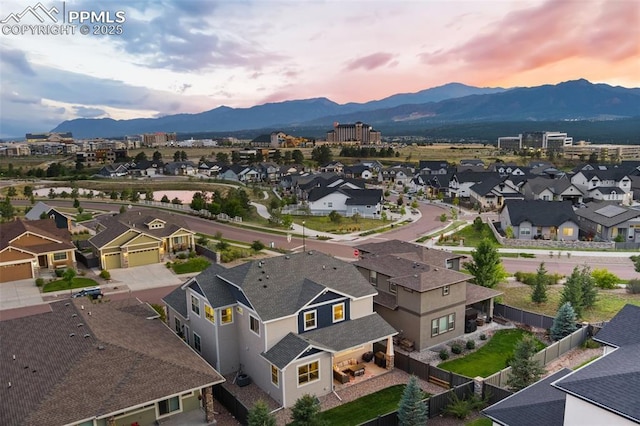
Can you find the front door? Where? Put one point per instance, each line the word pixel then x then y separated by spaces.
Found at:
pixel 42 261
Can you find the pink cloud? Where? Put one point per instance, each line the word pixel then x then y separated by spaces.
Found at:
pixel 370 62
pixel 550 33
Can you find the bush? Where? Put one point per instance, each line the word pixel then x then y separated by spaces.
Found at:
pixel 471 344
pixel 605 279
pixel 257 245
pixel 461 408
pixel 168 265
pixel 59 272
pixel 633 287
pixel 444 354
pixel 39 282
pixel 483 336
pixel 477 224
pixel 528 278
pixel 104 274
pixel 182 256
pixel 456 348
pixel 222 245
pixel 591 344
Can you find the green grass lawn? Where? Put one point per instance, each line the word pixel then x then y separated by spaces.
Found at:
pixel 491 357
pixel 607 305
pixel 482 421
pixel 197 264
pixel 451 226
pixel 345 226
pixel 472 237
pixel 78 282
pixel 366 408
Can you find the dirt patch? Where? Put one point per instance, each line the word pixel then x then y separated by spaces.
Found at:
pixel 573 359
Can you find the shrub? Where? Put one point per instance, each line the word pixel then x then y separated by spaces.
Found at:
pixel 59 272
pixel 192 254
pixel 462 407
pixel 633 286
pixel 39 282
pixel 471 344
pixel 456 348
pixel 104 274
pixel 168 265
pixel 483 336
pixel 257 245
pixel 444 354
pixel 477 224
pixel 605 279
pixel 182 256
pixel 222 245
pixel 590 344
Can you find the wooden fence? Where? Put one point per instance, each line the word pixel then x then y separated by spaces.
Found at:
pixel 522 316
pixel 493 393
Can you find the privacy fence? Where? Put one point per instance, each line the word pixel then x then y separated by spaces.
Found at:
pixel 521 316
pixel 231 403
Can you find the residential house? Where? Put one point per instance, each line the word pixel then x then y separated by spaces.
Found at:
pixel 461 182
pixel 547 189
pixel 397 174
pixel 358 171
pixel 27 247
pixel 492 192
pixel 228 173
pixel 180 168
pixel 42 211
pixel 306 183
pixel 533 219
pixel 146 168
pixel 332 167
pixel 268 172
pixel 421 291
pixel 472 162
pixel 139 237
pixel 113 171
pixel 612 184
pixel 112 363
pixel 606 221
pixel 346 201
pixel 431 184
pixel 288 322
pixel 433 167
pixel 603 392
pixel 374 165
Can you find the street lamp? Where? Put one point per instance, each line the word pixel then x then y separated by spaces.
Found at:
pixel 304 246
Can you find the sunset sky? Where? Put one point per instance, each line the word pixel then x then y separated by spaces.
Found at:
pixel 191 56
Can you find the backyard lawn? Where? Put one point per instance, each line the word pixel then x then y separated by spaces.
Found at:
pixel 197 264
pixel 78 282
pixel 491 357
pixel 608 303
pixel 366 408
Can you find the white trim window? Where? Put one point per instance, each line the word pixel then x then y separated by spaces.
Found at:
pixel 310 320
pixel 308 373
pixel 197 342
pixel 275 376
pixel 443 324
pixel 226 315
pixel 195 305
pixel 168 406
pixel 209 313
pixel 338 312
pixel 60 256
pixel 393 288
pixel 373 278
pixel 254 324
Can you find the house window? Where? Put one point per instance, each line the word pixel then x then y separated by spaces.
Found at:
pixel 209 313
pixel 274 376
pixel 567 232
pixel 445 290
pixel 195 305
pixel 196 343
pixel 308 373
pixel 393 288
pixel 178 325
pixel 443 324
pixel 373 278
pixel 226 315
pixel 338 312
pixel 168 406
pixel 239 310
pixel 525 231
pixel 60 256
pixel 330 204
pixel 254 324
pixel 310 320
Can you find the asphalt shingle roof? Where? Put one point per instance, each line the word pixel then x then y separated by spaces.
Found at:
pixel 286 350
pixel 276 286
pixel 590 212
pixel 61 238
pixel 540 212
pixel 409 251
pixel 538 404
pixel 117 359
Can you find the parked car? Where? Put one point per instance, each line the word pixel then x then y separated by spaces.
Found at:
pixel 91 292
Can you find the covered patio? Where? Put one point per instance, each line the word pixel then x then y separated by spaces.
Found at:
pixel 479 306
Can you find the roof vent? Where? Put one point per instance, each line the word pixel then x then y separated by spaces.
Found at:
pixel 415 275
pixel 287 257
pixel 72 334
pixel 74 315
pixel 310 252
pixel 100 347
pixel 335 268
pixel 435 269
pixel 66 304
pixel 324 267
pixel 86 335
pixel 80 325
pixel 264 286
pixel 259 279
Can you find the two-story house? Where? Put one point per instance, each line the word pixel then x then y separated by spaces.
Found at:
pixel 608 185
pixel 288 322
pixel 421 292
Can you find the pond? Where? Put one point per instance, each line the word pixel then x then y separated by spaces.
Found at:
pixel 185 196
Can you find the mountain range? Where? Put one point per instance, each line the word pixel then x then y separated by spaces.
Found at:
pixel 444 105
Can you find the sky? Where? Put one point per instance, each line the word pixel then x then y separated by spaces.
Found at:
pixel 195 55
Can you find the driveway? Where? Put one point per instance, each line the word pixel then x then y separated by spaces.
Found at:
pixel 145 277
pixel 19 293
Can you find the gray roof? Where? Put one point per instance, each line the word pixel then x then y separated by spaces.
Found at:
pixel 286 350
pixel 215 290
pixel 613 381
pixel 477 293
pixel 409 251
pixel 37 210
pixel 117 359
pixel 540 212
pixel 177 301
pixel 594 213
pixel 538 404
pixel 282 285
pixel 349 334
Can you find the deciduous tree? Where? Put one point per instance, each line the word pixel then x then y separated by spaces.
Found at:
pixel 486 265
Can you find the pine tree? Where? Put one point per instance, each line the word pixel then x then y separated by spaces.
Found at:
pixel 259 415
pixel 486 265
pixel 305 412
pixel 589 289
pixel 412 410
pixel 524 369
pixel 564 323
pixel 572 292
pixel 539 294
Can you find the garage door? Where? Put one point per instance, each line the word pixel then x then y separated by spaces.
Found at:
pixel 20 271
pixel 112 261
pixel 143 257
